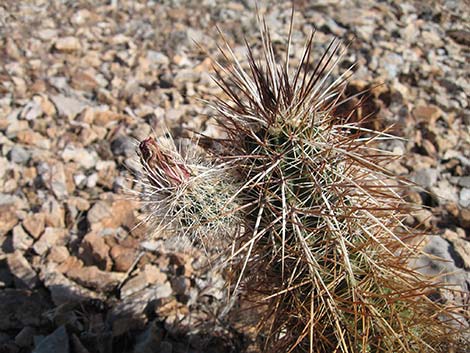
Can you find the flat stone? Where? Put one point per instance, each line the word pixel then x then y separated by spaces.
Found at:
pixel 8 218
pixel 80 203
pixel 103 118
pixel 62 289
pixel 21 240
pixel 24 275
pixel 58 341
pixel 33 138
pixel 51 237
pixel 34 224
pixel 464 181
pixel 67 44
pixel 94 278
pixel 99 211
pixel 87 159
pixel 68 106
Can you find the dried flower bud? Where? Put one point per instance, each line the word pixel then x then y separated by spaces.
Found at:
pixel 162 166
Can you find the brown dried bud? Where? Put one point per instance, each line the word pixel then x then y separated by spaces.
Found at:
pixel 162 166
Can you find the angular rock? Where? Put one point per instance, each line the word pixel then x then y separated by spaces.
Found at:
pixel 68 106
pixel 149 276
pixel 33 138
pixel 94 251
pixel 25 276
pixel 54 213
pixel 20 239
pixel 79 155
pixel 58 341
pixel 123 257
pixel 19 155
pixel 34 224
pixel 94 278
pixel 57 181
pixel 51 237
pixel 8 218
pixel 58 254
pixel 67 44
pixel 62 289
pixel 25 337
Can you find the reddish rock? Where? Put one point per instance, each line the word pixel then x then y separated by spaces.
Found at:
pixel 123 257
pixel 94 251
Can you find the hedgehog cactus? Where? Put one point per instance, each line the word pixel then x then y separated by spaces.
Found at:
pixel 322 253
pixel 186 195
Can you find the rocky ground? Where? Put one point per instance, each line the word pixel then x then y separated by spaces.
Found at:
pixel 80 84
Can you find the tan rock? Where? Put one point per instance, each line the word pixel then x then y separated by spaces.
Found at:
pixel 34 224
pixel 22 270
pixel 67 44
pixel 33 138
pixel 429 113
pixel 21 240
pixel 464 217
pixel 51 237
pixel 8 218
pixel 58 254
pixel 92 277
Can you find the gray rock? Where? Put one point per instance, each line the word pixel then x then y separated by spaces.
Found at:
pixel 80 155
pixel 157 58
pixel 123 146
pixel 450 268
pixel 25 337
pixel 425 177
pixel 19 155
pixel 162 290
pixel 21 308
pixel 57 341
pixel 68 106
pixel 464 198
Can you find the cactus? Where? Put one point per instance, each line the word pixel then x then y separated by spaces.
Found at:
pixel 187 195
pixel 322 251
